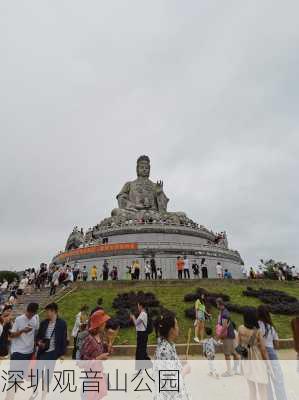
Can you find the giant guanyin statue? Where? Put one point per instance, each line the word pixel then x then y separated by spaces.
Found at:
pixel 142 194
pixel 141 200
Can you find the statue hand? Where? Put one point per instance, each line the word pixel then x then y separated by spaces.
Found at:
pixel 159 186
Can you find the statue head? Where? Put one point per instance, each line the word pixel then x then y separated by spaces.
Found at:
pixel 143 167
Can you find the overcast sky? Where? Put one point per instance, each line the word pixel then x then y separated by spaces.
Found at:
pixel 208 89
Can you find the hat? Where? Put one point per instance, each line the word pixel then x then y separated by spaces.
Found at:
pixel 98 319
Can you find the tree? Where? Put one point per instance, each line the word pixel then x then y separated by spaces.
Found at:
pixel 8 275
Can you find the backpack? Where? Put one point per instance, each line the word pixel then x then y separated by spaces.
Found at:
pixel 150 325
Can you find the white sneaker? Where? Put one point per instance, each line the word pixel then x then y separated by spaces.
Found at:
pixel 196 340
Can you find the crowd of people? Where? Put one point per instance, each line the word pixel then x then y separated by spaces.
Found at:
pixel 62 277
pixel 282 273
pixel 94 333
pixel 199 271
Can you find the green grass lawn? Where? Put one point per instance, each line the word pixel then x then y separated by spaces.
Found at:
pixel 172 297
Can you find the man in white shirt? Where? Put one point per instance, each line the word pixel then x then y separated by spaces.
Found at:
pixel 219 270
pixel 186 268
pixel 23 333
pixel 141 324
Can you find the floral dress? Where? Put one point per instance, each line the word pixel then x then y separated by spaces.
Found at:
pixel 166 359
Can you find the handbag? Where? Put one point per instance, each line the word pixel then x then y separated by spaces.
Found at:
pixel 243 351
pixel 221 331
pixel 44 343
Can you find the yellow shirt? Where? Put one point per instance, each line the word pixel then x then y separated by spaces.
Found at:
pixel 94 272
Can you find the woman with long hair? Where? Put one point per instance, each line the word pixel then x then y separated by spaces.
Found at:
pixel 81 319
pixel 271 342
pixel 200 318
pixel 251 341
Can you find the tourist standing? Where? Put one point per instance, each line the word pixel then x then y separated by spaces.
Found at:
pixel 204 269
pixel 167 330
pixel 180 266
pixel 114 273
pixel 94 349
pixel 93 346
pixel 133 270
pixel 54 282
pixel 195 269
pixel 82 334
pixel 84 274
pixel 270 337
pixel 136 270
pixel 226 332
pixel 51 342
pixel 219 270
pixel 141 325
pixel 76 271
pixel 94 273
pixel 105 270
pixel 250 338
pixel 52 335
pixel 6 329
pixel 153 268
pixel 81 318
pixel 200 317
pixel 186 268
pixel 147 270
pixel 209 351
pixel 23 332
pixel 295 330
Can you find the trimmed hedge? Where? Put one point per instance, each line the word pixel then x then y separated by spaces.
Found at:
pixel 277 301
pixel 126 303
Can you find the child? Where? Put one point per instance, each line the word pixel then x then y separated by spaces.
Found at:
pixel 209 351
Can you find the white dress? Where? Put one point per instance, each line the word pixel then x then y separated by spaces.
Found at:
pixel 254 368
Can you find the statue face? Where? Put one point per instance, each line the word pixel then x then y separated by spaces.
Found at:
pixel 143 169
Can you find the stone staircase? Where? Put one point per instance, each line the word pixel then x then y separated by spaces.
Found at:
pixel 41 297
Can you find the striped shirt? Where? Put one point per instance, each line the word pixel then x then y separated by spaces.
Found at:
pixel 50 334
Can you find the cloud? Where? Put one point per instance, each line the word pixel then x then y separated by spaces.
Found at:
pixel 209 91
